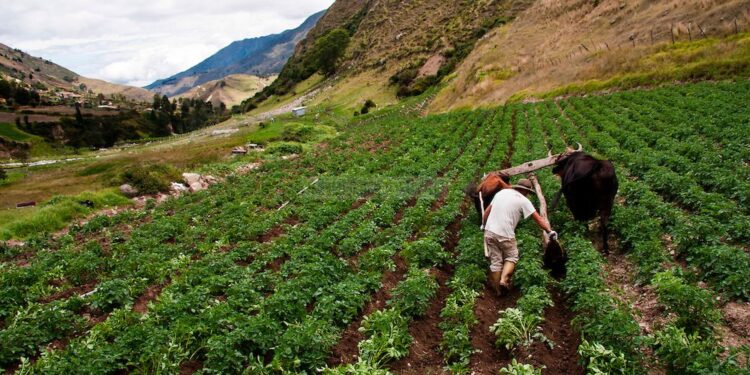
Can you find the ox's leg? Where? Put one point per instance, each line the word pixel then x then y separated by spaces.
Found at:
pixel 556 200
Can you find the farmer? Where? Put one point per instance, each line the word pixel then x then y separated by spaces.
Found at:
pixel 499 223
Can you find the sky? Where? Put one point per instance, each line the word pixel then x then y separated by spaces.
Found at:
pixel 136 42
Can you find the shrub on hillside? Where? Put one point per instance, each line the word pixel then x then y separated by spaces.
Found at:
pixel 369 104
pixel 284 148
pixel 150 178
pixel 298 133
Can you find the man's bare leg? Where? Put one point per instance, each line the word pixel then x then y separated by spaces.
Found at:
pixel 508 269
pixel 495 281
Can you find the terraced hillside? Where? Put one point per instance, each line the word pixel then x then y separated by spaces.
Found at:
pixel 363 257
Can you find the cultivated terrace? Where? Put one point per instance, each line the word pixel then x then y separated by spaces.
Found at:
pixel 378 267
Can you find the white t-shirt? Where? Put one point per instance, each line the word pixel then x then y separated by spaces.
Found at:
pixel 508 207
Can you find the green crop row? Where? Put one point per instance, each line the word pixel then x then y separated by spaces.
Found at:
pixel 332 199
pixel 692 306
pixel 700 239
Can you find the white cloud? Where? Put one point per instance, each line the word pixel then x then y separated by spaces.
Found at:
pixel 138 41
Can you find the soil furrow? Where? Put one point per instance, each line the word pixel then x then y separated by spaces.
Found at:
pixel 489 358
pixel 562 358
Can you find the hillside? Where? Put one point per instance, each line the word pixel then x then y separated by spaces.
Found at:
pixel 556 47
pixel 230 90
pixel 488 52
pixel 35 71
pixel 294 265
pixel 262 56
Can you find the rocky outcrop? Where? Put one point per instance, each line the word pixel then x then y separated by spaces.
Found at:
pixel 196 182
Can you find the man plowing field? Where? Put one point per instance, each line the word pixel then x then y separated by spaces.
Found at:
pixel 499 222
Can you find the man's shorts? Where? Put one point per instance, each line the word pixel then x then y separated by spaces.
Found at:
pixel 501 249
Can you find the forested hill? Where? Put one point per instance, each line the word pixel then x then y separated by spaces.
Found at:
pixel 262 56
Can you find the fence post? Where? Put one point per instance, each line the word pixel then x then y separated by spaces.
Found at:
pixel 652 36
pixel 671 31
pixel 690 32
pixel 703 33
pixel 736 28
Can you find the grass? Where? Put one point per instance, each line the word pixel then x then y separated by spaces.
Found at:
pixel 39 147
pixel 55 214
pixel 350 93
pixel 274 101
pixel 10 131
pixel 202 154
pixel 704 59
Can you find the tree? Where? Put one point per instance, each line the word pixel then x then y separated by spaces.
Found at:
pixel 157 102
pixel 6 90
pixel 166 106
pixel 329 49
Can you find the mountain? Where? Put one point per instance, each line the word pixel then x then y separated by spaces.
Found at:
pixel 411 39
pixel 487 52
pixel 262 56
pixel 39 72
pixel 230 90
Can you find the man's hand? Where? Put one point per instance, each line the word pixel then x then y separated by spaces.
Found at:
pixel 552 235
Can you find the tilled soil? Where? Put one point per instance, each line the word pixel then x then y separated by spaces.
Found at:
pixel 346 350
pixel 562 359
pixel 489 358
pixel 424 354
pixel 152 293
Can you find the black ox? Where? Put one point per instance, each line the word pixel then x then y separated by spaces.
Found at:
pixel 589 186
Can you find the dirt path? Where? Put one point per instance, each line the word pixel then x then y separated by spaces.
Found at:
pixel 562 359
pixel 489 358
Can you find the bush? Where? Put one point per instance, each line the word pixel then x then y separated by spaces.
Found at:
pixel 284 148
pixel 295 132
pixel 151 178
pixel 369 104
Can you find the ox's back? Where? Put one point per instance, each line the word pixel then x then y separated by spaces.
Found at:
pixel 589 185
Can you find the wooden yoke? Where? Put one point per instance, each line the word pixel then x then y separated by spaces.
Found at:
pixel 534 165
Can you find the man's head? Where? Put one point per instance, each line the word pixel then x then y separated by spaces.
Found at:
pixel 524 186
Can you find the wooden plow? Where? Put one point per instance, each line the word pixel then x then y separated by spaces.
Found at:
pixel 554 255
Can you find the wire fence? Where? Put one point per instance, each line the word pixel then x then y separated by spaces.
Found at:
pixel 673 32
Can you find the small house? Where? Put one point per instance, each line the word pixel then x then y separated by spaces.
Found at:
pixel 299 111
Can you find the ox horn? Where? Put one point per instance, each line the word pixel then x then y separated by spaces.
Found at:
pixel 549 153
pixel 580 148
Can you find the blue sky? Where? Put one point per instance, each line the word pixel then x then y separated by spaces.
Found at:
pixel 136 42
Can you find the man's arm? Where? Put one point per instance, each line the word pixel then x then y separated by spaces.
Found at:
pixel 542 222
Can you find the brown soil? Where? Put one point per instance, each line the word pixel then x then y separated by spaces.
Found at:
pixel 562 359
pixel 278 230
pixel 190 367
pixel 278 262
pixel 736 331
pixel 78 290
pixel 618 274
pixel 489 358
pixel 346 349
pixel 424 354
pixel 152 293
pixel 737 316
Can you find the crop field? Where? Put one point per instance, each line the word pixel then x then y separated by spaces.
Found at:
pixel 378 266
